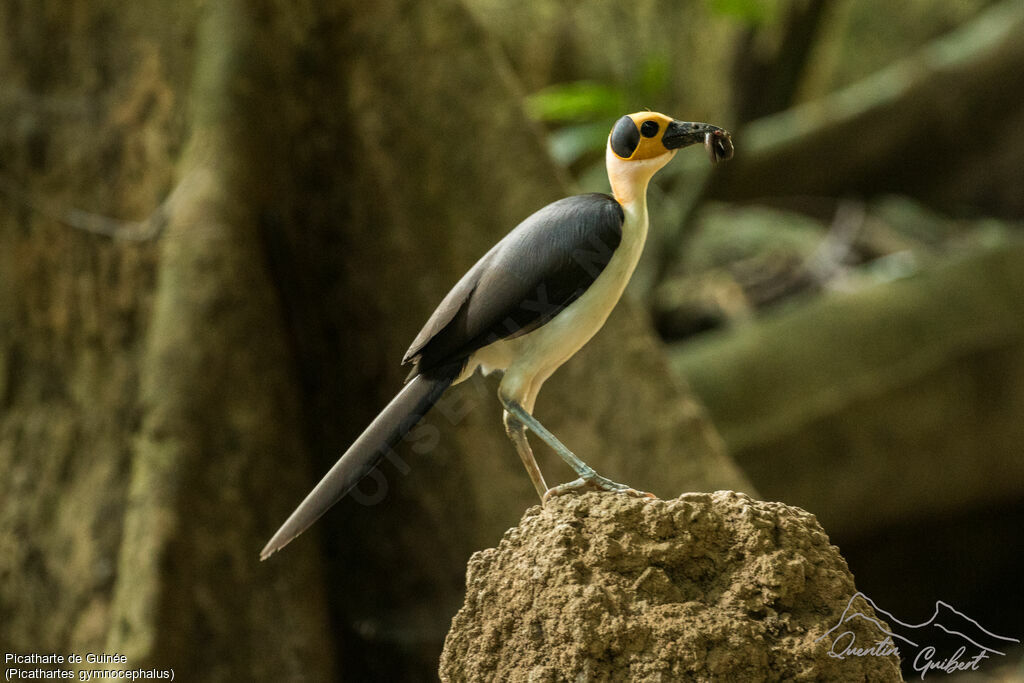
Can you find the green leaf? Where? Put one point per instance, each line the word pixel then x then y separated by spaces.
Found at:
pixel 753 12
pixel 654 78
pixel 574 102
pixel 572 142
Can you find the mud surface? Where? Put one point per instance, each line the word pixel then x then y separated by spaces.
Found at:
pixel 704 587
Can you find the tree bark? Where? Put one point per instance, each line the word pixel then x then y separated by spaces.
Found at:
pixel 330 172
pixel 898 402
pixel 943 126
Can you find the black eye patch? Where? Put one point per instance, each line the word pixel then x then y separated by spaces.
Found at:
pixel 625 137
pixel 649 129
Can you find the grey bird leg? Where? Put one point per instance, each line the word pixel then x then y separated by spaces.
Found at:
pixel 588 478
pixel 516 431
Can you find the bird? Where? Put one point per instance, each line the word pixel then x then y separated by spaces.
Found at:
pixel 526 307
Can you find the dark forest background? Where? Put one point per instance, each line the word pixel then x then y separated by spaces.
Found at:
pixel 221 223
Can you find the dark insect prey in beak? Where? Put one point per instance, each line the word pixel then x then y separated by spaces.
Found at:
pixel 719 146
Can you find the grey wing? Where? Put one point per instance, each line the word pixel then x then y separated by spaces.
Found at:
pixel 537 270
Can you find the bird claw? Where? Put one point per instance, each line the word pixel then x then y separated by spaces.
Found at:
pixel 595 483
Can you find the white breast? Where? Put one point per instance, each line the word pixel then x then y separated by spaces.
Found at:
pixel 530 359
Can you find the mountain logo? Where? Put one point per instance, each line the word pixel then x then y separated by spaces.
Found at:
pixel 949 641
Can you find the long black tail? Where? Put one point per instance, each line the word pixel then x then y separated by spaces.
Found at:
pixel 387 429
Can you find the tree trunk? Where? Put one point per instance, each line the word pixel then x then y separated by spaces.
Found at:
pixel 921 422
pixel 943 126
pixel 329 174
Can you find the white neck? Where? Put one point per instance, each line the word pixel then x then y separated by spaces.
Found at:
pixel 629 179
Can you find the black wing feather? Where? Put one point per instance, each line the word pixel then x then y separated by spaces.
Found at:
pixel 537 270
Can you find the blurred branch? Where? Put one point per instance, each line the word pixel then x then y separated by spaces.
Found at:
pixel 146 229
pixel 765 80
pixel 943 126
pixel 762 84
pixel 830 260
pixel 838 404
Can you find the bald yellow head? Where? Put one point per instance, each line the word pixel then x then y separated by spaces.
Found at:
pixel 638 136
pixel 642 143
pixel 648 135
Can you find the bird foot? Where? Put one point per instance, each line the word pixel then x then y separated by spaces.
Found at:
pixel 594 483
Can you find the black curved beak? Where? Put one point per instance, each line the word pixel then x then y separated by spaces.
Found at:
pixel 717 140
